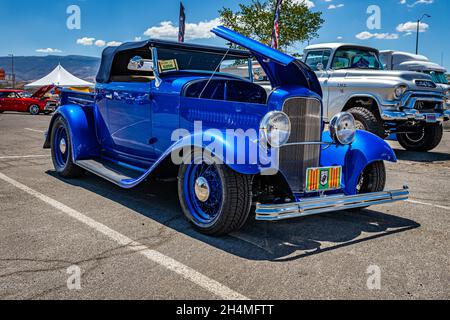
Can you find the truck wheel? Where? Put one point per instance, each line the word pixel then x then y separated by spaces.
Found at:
pixel 366 120
pixel 34 110
pixel 425 139
pixel 62 151
pixel 214 198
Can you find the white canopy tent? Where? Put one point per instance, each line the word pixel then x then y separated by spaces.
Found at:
pixel 60 77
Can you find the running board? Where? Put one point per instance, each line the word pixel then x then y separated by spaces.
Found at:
pixel 110 171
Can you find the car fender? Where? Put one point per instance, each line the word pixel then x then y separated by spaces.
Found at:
pixel 226 152
pixel 365 150
pixel 80 121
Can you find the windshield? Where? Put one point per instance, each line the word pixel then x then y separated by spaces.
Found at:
pixel 355 58
pixel 438 77
pixel 182 60
pixel 318 60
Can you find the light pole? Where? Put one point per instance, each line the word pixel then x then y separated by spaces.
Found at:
pixel 418 29
pixel 13 76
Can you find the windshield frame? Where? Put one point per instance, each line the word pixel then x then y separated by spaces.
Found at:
pixel 375 53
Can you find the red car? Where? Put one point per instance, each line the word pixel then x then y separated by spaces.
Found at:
pixel 18 100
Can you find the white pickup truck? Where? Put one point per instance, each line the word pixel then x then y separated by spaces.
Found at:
pixel 406 103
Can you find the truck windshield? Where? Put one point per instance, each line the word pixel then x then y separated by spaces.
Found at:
pixel 438 77
pixel 356 58
pixel 183 60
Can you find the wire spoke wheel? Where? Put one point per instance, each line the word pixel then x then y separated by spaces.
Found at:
pixel 205 206
pixel 60 146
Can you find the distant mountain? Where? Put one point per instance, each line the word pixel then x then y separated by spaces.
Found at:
pixel 34 67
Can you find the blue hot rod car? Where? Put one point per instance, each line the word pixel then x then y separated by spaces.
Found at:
pixel 148 91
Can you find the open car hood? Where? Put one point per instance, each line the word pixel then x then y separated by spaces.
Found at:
pixel 42 91
pixel 281 69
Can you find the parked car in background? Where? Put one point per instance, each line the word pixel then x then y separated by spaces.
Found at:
pixel 397 60
pixel 383 102
pixel 149 92
pixel 18 100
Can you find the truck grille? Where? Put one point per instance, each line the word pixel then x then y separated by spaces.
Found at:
pixel 306 121
pixel 427 106
pixel 425 84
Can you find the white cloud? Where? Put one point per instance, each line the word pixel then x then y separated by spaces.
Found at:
pixel 86 41
pixel 366 35
pixel 335 6
pixel 308 3
pixel 137 38
pixel 168 30
pixel 340 38
pixel 114 44
pixel 417 2
pixel 100 43
pixel 48 50
pixel 411 26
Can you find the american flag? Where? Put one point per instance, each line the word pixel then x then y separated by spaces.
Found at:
pixel 276 30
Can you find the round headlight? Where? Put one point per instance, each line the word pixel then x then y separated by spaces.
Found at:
pixel 342 128
pixel 399 91
pixel 276 128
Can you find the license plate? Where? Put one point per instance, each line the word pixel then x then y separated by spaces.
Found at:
pixel 431 118
pixel 323 179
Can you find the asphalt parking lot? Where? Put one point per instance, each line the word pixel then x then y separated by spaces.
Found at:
pixel 135 244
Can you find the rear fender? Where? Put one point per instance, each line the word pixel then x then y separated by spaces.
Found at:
pixel 82 131
pixel 365 150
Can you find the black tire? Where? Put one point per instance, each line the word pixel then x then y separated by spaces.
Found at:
pixel 368 121
pixel 1 111
pixel 235 205
pixel 426 139
pixel 373 178
pixel 67 170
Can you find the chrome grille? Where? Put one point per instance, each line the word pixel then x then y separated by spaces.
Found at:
pixel 305 116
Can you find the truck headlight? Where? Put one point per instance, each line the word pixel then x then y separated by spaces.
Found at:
pixel 342 128
pixel 399 91
pixel 276 128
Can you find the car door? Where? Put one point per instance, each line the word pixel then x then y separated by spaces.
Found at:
pixel 129 118
pixel 10 102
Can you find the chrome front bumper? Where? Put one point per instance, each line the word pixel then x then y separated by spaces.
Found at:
pixel 412 114
pixel 307 207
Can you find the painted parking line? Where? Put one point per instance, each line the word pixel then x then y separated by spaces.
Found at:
pixel 428 204
pixel 188 273
pixel 26 157
pixel 34 130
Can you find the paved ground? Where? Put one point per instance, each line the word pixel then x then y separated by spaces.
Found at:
pixel 136 244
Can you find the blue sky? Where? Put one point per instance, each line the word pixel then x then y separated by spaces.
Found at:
pixel 32 27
